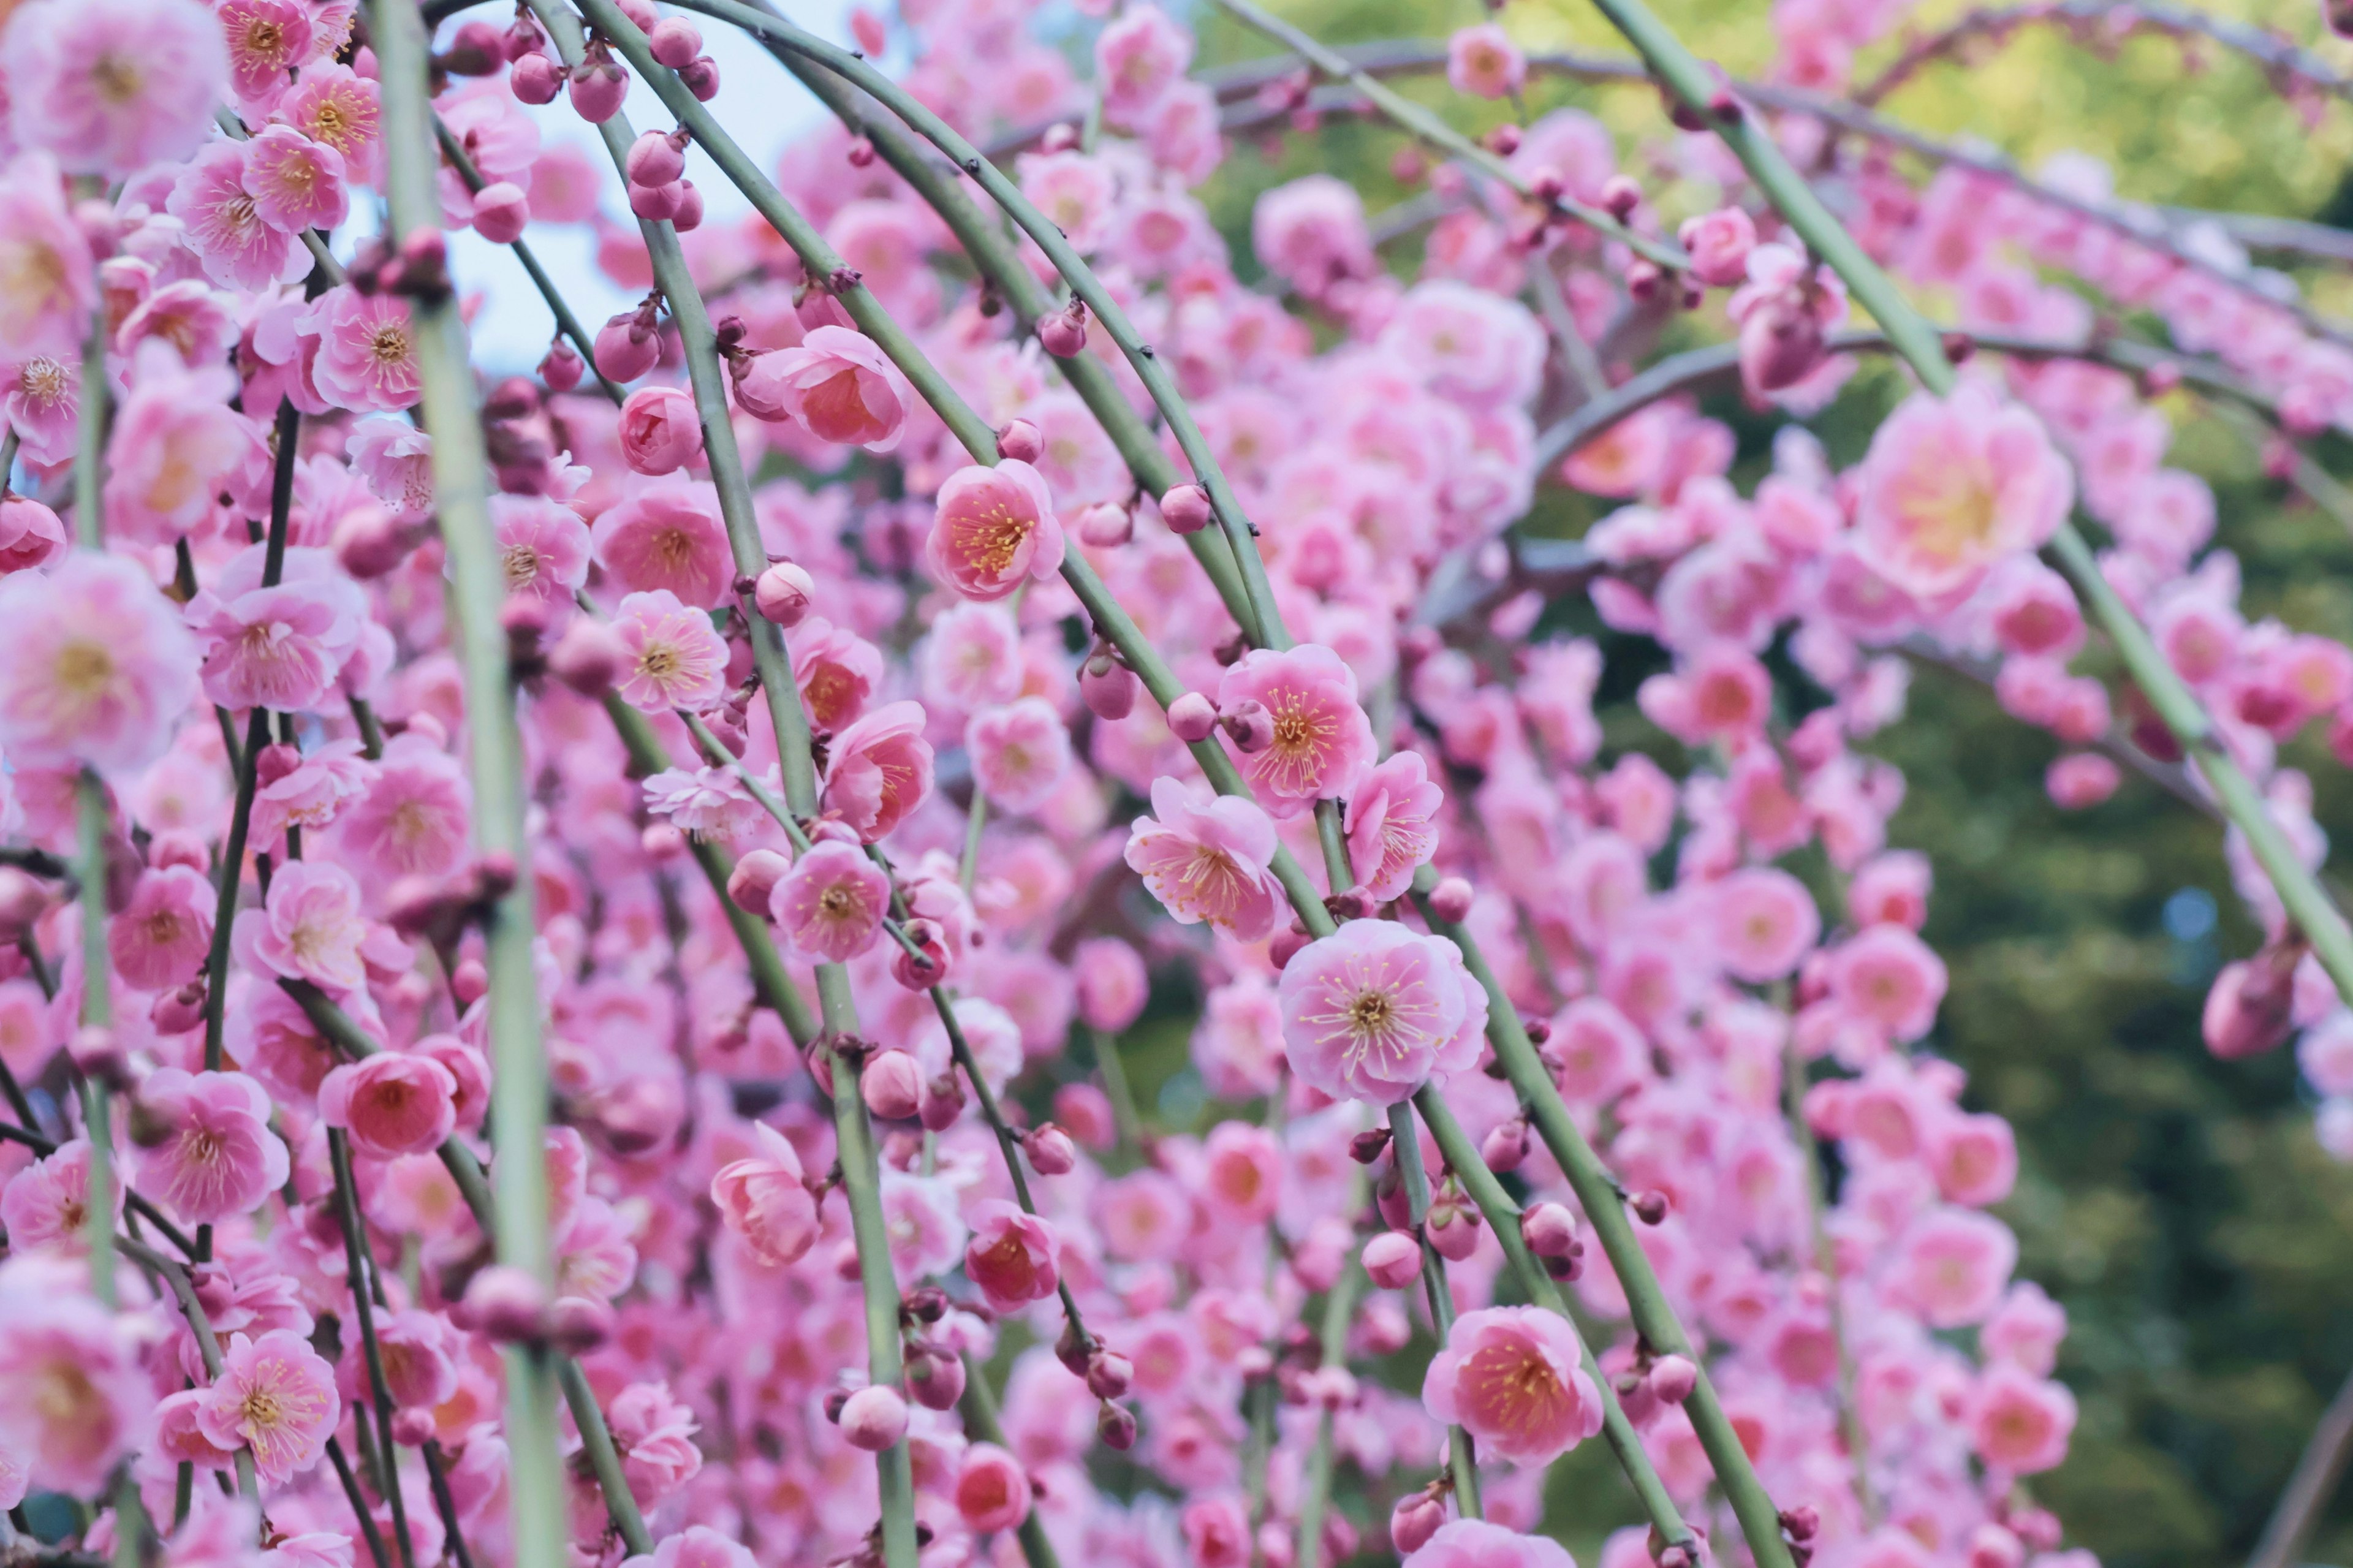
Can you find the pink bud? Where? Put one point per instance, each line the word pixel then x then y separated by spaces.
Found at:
pixel 700 75
pixel 941 1103
pixel 177 1012
pixel 1649 1207
pixel 23 899
pixel 1105 525
pixel 1115 1425
pixel 1549 1230
pixel 689 217
pixel 626 348
pixel 674 41
pixel 535 80
pixel 1780 343
pixel 1620 196
pixel 1392 1259
pixel 783 593
pixel 874 1418
pixel 501 212
pixel 370 542
pixel 860 152
pixel 505 1304
pixel 935 1380
pixel 470 982
pixel 1673 1377
pixel 661 842
pixel 1108 1375
pixel 1505 1148
pixel 1109 693
pixel 578 1324
pixel 521 39
pixel 1453 1229
pixel 755 877
pixel 1803 1522
pixel 597 90
pixel 98 1053
pixel 1414 1521
pixel 413 1428
pixel 892 1086
pixel 2249 1008
pixel 1249 722
pixel 1022 441
pixel 1064 336
pixel 1186 509
pixel 274 762
pixel 588 657
pixel 1286 945
pixel 1450 899
pixel 1052 1153
pixel 658 157
pixel 562 368
pixel 657 203
pixel 1192 718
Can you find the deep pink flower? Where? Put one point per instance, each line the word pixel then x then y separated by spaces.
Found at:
pixel 311 929
pixel 1511 1377
pixel 837 672
pixel 267 39
pixel 1392 826
pixel 660 432
pixel 275 1396
pixel 764 1199
pixel 98 668
pixel 1020 754
pixel 1012 1256
pixel 830 905
pixel 30 534
pixel 1484 62
pixel 839 385
pixel 392 1103
pixel 219 1157
pixel 1367 1010
pixel 675 659
pixel 878 770
pixel 669 537
pixel 2019 1423
pixel 1322 741
pixel 1207 858
pixel 297 184
pixel 367 351
pixel 992 1490
pixel 159 941
pixel 41 396
pixel 1476 1543
pixel 48 286
pixel 994 529
pixel 112 86
pixel 1952 487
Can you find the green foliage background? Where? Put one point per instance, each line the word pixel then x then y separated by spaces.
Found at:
pixel 2178 1207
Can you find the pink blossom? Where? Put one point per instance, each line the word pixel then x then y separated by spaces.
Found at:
pixel 111 86
pixel 668 539
pixel 174 449
pixel 674 659
pixel 98 666
pixel 764 1201
pixel 660 432
pixel 1012 1256
pixel 188 315
pixel 543 545
pixel 1468 345
pixel 710 804
pixel 74 1401
pixel 992 1490
pixel 830 905
pixel 2025 1330
pixel 972 659
pixel 1312 234
pixel 1113 984
pixel 46 283
pixel 1484 62
pixel 2019 1423
pixel 1719 243
pixel 311 929
pixel 1509 1376
pixel 2081 780
pixel 839 385
pixel 1974 1158
pixel 1888 975
pixel 392 1103
pixel 1241 1172
pixel 30 534
pixel 217 1157
pixel 1951 1266
pixel 46 1203
pixel 837 671
pixel 1765 922
pixel 159 941
pixel 1020 754
pixel 278 647
pixel 1367 1010
pixel 1391 825
pixel 878 770
pixel 41 396
pixel 275 1396
pixel 1320 741
pixel 416 815
pixel 217 199
pixel 994 529
pixel 1138 58
pixel 1475 1544
pixel 1207 858
pixel 266 40
pixel 1075 191
pixel 297 184
pixel 367 351
pixel 1952 487
pixel 337 108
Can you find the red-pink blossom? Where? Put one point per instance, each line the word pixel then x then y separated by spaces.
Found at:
pixel 392 1103
pixel 159 941
pixel 830 906
pixel 660 434
pixel 1012 1256
pixel 668 539
pixel 764 1201
pixel 995 529
pixel 838 385
pixel 1509 1376
pixel 878 770
pixel 1322 741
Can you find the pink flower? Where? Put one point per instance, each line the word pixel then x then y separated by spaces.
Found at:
pixel 46 1203
pixel 1719 243
pixel 1391 823
pixel 839 385
pixel 41 394
pixel 276 1396
pixel 73 1398
pixel 992 1490
pixel 266 40
pixel 175 448
pixel 98 668
pixel 1312 234
pixel 1207 858
pixel 669 537
pixel 1888 975
pixel 1952 1265
pixel 972 659
pixel 1113 984
pixel 543 545
pixel 878 770
pixel 994 526
pixel 1020 754
pixel 660 432
pixel 1511 1377
pixel 675 659
pixel 393 1103
pixel 414 816
pixel 367 351
pixel 1367 1010
pixel 2025 1330
pixel 837 671
pixel 1484 62
pixel 160 940
pixel 297 184
pixel 217 1157
pixel 2019 1423
pixel 1322 741
pixel 1468 345
pixel 699 1546
pixel 216 199
pixel 764 1200
pixel 1765 922
pixel 1012 1256
pixel 710 804
pixel 281 648
pixel 111 86
pixel 1073 189
pixel 1475 1544
pixel 1974 1157
pixel 48 285
pixel 830 905
pixel 336 107
pixel 30 534
pixel 2081 780
pixel 311 929
pixel 189 315
pixel 1951 488
pixel 1138 59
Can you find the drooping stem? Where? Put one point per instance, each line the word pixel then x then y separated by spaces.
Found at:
pixel 1850 1413
pixel 350 1481
pixel 97 1012
pixel 604 1459
pixel 1405 1146
pixel 1316 1492
pixel 2309 1487
pixel 359 1267
pixel 200 1328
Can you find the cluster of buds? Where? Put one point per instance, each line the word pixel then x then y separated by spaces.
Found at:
pixel 1654 1382
pixel 505 1304
pixel 935 1373
pixel 1107 1375
pixel 658 189
pixel 1193 718
pixel 1799 1525
pixel 417 268
pixel 438 909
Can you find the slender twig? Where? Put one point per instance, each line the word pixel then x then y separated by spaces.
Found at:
pixel 1316 1497
pixel 358 1499
pixel 2310 1486
pixel 183 1291
pixel 359 1268
pixel 1405 1146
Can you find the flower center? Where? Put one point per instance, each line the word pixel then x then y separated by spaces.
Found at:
pixel 522 563
pixel 43 380
pixel 117 78
pixel 84 670
pixel 388 344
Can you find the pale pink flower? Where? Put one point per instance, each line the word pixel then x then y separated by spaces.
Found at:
pixel 31 534
pixel 311 928
pixel 367 351
pixel 1113 984
pixel 189 315
pixel 416 815
pixel 1469 345
pixel 830 905
pixel 675 659
pixel 2019 1423
pixel 159 941
pixel 710 803
pixel 1322 741
pixel 41 394
pixel 878 770
pixel 764 1200
pixel 176 447
pixel 1367 1010
pixel 1138 59
pixel 972 659
pixel 297 184
pixel 1013 1257
pixel 1312 234
pixel 275 1396
pixel 279 647
pixel 927 1234
pixel 395 459
pixel 543 545
pixel 46 1203
pixel 1207 858
pixel 994 529
pixel 48 282
pixel 668 539
pixel 660 432
pixel 1950 1266
pixel 699 1546
pixel 1241 1172
pixel 100 668
pixel 839 385
pixel 1888 975
pixel 392 1103
pixel 1476 1543
pixel 217 1157
pixel 1765 922
pixel 1391 823
pixel 2025 1330
pixel 1952 487
pixel 267 39
pixel 1484 62
pixel 216 200
pixel 112 86
pixel 1075 190
pixel 336 107
pixel 1974 1158
pixel 1020 754
pixel 74 1400
pixel 1512 1378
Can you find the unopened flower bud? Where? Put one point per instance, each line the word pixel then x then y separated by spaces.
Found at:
pixel 935 1380
pixel 1549 1230
pixel 1450 899
pixel 588 657
pixel 783 593
pixel 941 1102
pixel 502 211
pixel 1108 1375
pixel 656 157
pixel 370 542
pixel 1192 717
pixel 1064 334
pixel 661 842
pixel 1620 196
pixel 23 899
pixel 675 42
pixel 1413 1521
pixel 1392 1259
pixel 97 1054
pixel 1022 441
pixel 1249 722
pixel 535 80
pixel 1109 692
pixel 755 877
pixel 892 1086
pixel 1803 1522
pixel 1051 1153
pixel 562 368
pixel 1453 1229
pixel 597 89
pixel 177 1012
pixel 1115 1425
pixel 1507 1147
pixel 700 76
pixel 1649 1206
pixel 470 982
pixel 578 1324
pixel 412 1428
pixel 1286 945
pixel 1370 1145
pixel 627 347
pixel 1105 525
pixel 1673 1377
pixel 657 203
pixel 504 1304
pixel 1186 509
pixel 874 1418
pixel 860 152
